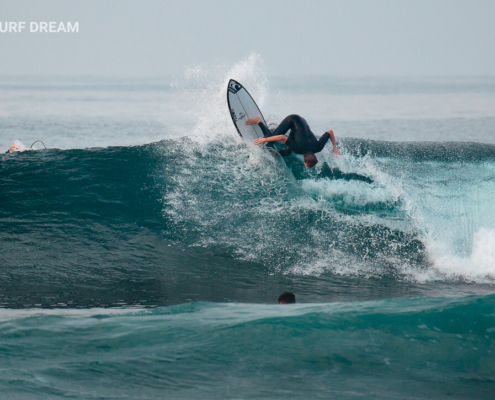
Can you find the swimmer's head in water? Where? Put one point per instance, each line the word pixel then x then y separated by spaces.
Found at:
pixel 13 147
pixel 16 146
pixel 287 298
pixel 310 160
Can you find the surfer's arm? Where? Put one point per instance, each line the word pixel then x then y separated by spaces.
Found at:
pixel 323 140
pixel 278 138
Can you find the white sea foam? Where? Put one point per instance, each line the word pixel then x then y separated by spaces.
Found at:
pixel 479 266
pixel 205 87
pixel 348 194
pixel 260 228
pixel 443 218
pixel 452 205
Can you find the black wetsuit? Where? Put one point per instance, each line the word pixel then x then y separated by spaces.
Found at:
pixel 335 173
pixel 301 140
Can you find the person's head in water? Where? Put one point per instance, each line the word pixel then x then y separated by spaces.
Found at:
pixel 16 146
pixel 310 160
pixel 286 298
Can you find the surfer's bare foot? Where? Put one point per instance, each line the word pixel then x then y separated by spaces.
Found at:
pixel 253 121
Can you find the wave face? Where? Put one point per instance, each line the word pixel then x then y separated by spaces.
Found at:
pixel 180 220
pixel 393 349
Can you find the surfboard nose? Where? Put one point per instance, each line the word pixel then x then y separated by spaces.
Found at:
pixel 234 86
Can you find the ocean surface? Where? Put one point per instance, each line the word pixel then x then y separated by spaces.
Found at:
pixel 142 253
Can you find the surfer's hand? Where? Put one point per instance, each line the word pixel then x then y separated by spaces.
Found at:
pixel 336 152
pixel 260 141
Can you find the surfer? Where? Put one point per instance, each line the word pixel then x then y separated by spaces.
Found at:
pixel 300 140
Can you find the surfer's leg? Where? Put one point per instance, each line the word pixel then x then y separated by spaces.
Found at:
pixel 282 129
pixel 266 132
pixel 286 124
pixel 291 122
pixel 257 120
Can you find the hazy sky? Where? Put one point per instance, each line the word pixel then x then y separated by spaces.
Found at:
pixel 127 38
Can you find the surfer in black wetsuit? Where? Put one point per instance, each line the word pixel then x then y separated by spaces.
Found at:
pixel 300 140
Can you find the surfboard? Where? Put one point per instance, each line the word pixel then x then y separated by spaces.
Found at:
pixel 242 106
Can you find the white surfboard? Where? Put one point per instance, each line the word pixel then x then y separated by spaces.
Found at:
pixel 242 106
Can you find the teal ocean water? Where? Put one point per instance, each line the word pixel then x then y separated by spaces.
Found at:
pixel 395 348
pixel 143 252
